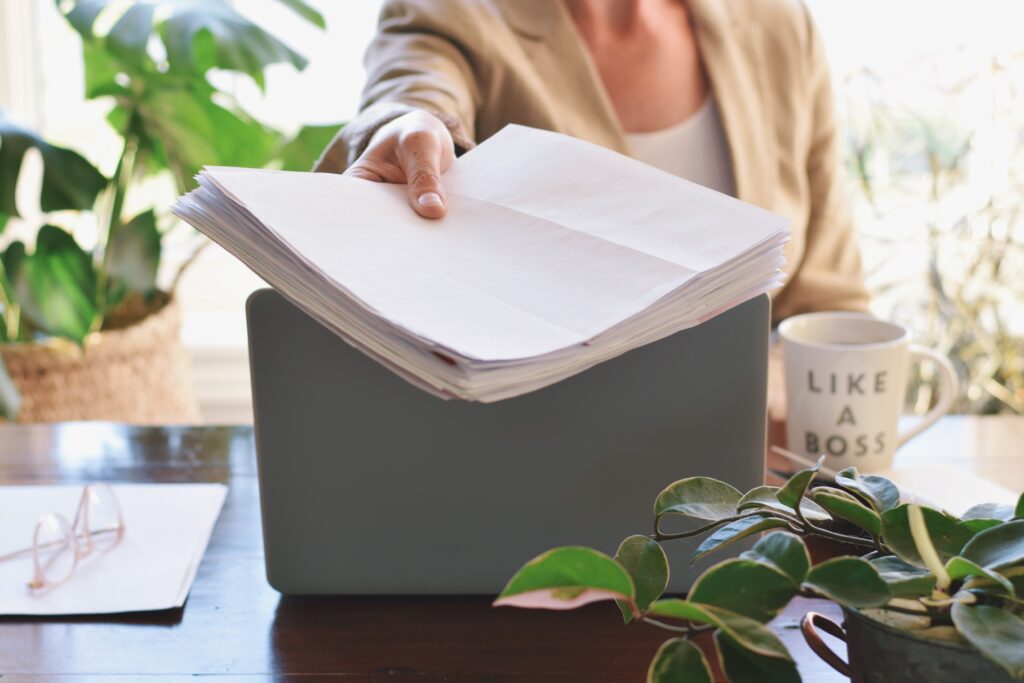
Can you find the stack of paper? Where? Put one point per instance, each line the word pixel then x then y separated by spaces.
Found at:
pixel 555 255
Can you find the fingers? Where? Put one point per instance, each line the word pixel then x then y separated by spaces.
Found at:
pixel 365 172
pixel 420 154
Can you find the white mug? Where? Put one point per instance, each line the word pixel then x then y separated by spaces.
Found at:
pixel 846 379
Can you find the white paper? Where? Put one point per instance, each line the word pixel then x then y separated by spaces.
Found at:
pixel 167 528
pixel 555 255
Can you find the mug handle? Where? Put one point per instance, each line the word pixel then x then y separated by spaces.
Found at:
pixel 949 389
pixel 809 626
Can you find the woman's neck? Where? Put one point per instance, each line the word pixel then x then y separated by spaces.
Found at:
pixel 619 16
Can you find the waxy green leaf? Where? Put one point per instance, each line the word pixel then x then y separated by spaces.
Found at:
pixel 734 531
pixel 1000 511
pixel 647 565
pixel 698 497
pixel 784 551
pixel 748 633
pixel 679 660
pixel 850 581
pixel 766 497
pixel 999 546
pixel 567 578
pixel 947 534
pixel 903 579
pixel 996 633
pixel 793 491
pixel 961 568
pixel 846 506
pixel 879 492
pixel 743 666
pixel 753 589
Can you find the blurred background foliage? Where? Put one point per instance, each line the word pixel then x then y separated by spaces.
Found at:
pixel 936 161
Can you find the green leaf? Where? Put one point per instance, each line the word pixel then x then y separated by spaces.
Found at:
pixel 750 634
pixel 784 551
pixel 698 497
pixel 194 132
pixel 1018 511
pixel 743 666
pixel 55 285
pixel 129 37
pixel 850 581
pixel 792 492
pixel 961 568
pixel 647 565
pixel 305 11
pixel 846 506
pixel 10 397
pixel 133 257
pixel 1000 511
pixel 197 35
pixel 69 181
pixel 904 580
pixel 996 633
pixel 3 221
pixel 767 497
pixel 999 546
pixel 567 578
pixel 879 492
pixel 734 531
pixel 302 151
pixel 679 660
pixel 976 526
pixel 947 534
pixel 746 587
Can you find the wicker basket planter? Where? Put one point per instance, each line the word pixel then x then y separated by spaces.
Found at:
pixel 138 373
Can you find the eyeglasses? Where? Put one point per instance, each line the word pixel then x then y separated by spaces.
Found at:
pixel 59 545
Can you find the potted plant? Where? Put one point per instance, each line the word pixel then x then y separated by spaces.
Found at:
pixel 85 331
pixel 933 598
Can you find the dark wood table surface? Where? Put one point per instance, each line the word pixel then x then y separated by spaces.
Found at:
pixel 236 627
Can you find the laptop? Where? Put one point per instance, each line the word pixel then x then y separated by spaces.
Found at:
pixel 369 485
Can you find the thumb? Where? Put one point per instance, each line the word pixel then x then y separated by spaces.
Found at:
pixel 420 156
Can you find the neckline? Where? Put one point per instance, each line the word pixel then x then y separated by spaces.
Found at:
pixel 690 121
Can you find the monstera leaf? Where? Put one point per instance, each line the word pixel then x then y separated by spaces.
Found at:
pixel 55 284
pixel 69 181
pixel 196 35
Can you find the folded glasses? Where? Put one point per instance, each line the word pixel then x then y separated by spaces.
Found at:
pixel 59 545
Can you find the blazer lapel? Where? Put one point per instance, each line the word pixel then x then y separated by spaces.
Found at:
pixel 558 51
pixel 731 52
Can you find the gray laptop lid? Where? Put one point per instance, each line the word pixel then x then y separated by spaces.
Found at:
pixel 369 485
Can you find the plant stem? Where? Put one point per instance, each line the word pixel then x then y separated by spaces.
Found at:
pixel 812 530
pixel 659 537
pixel 689 630
pixel 12 311
pixel 120 182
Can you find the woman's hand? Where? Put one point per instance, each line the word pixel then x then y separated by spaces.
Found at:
pixel 416 149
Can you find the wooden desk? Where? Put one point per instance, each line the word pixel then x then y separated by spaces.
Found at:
pixel 235 627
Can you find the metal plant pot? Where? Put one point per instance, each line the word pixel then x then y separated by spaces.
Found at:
pixel 878 653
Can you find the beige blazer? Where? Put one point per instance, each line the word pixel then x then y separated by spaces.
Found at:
pixel 481 64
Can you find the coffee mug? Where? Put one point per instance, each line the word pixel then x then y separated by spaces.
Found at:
pixel 846 380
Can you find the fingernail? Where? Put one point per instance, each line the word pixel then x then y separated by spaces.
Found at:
pixel 430 200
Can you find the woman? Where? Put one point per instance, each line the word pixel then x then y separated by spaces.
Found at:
pixel 734 94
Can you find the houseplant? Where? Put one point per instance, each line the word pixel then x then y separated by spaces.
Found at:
pixel 955 584
pixel 85 332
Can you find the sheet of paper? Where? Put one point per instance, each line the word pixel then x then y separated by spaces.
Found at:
pixel 167 528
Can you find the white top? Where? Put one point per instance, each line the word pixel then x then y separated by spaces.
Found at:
pixel 695 149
